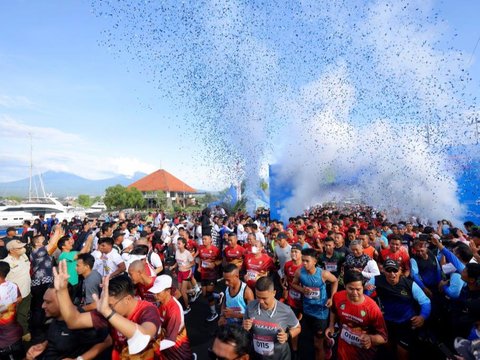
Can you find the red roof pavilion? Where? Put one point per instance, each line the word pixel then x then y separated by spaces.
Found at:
pixel 162 180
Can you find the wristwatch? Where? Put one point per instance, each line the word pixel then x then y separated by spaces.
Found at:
pixel 80 357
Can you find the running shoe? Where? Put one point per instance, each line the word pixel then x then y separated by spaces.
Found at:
pixel 195 295
pixel 187 310
pixel 212 317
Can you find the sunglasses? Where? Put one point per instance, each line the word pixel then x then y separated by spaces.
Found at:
pixel 213 356
pixel 391 270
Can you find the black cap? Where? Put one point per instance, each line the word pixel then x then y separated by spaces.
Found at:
pixel 391 264
pixel 297 246
pixel 428 230
pixel 282 235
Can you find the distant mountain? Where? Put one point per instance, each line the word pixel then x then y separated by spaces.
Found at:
pixel 62 184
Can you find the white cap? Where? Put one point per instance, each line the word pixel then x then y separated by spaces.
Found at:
pixel 126 243
pixel 161 283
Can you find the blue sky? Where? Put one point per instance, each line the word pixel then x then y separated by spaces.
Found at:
pixel 95 111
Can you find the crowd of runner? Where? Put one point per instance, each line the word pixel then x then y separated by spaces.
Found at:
pixel 347 283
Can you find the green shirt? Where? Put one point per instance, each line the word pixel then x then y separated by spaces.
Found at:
pixel 71 266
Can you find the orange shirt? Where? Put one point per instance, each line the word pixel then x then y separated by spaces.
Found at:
pixel 370 251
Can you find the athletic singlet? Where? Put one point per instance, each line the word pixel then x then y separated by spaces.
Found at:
pixel 428 269
pixel 314 301
pixel 236 303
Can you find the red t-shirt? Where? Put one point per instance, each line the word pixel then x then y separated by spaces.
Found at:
pixel 235 253
pixel 255 266
pixel 292 240
pixel 363 225
pixel 312 241
pixel 248 250
pixel 144 294
pixel 212 253
pixel 172 320
pixel 293 227
pixel 192 246
pixel 294 298
pixel 143 312
pixel 353 320
pixel 401 256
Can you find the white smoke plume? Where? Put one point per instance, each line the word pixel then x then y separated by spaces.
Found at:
pixel 351 98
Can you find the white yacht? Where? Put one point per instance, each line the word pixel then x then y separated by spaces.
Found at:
pixel 96 209
pixel 14 215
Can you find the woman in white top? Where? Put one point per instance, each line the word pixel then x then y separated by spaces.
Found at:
pixel 184 262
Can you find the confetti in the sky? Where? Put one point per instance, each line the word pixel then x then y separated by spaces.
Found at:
pixel 352 98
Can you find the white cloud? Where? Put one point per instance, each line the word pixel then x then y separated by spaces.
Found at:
pixel 57 150
pixel 11 102
pixel 127 165
pixel 12 128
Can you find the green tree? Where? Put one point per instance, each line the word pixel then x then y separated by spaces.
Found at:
pixel 84 200
pixel 13 198
pixel 115 197
pixel 135 198
pixel 96 199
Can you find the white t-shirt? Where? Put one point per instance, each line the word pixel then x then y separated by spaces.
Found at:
pixel 155 260
pixel 198 234
pixel 106 264
pixel 9 292
pixel 283 255
pixel 241 233
pixel 259 235
pixel 183 260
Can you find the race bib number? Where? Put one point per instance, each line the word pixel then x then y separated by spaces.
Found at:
pixel 295 295
pixel 312 293
pixel 205 264
pixel 332 267
pixel 251 275
pixel 350 337
pixel 263 345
